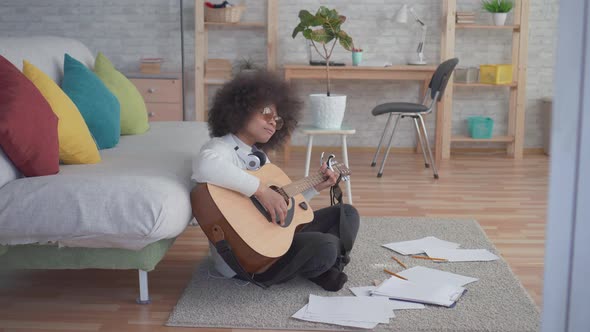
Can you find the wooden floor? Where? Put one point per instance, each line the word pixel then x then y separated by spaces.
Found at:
pixel 507 197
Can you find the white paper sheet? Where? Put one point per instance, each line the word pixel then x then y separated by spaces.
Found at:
pixel 461 255
pixel 415 247
pixel 393 304
pixel 361 312
pixel 364 309
pixel 302 315
pixel 439 294
pixel 421 274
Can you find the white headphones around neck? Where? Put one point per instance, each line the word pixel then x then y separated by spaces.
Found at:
pixel 253 160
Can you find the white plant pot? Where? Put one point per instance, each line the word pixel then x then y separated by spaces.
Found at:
pixel 327 112
pixel 499 18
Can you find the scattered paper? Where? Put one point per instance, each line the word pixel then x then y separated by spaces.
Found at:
pixel 421 274
pixel 393 304
pixel 351 308
pixel 303 314
pixel 373 305
pixel 362 312
pixel 418 246
pixel 461 255
pixel 429 293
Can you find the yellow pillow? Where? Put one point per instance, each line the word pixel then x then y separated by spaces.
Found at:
pixel 76 145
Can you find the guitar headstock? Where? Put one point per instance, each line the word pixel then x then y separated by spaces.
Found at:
pixel 337 167
pixel 340 168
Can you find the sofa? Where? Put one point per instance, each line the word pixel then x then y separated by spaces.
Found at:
pixel 122 213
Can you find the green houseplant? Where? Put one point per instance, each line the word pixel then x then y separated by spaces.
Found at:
pixel 498 8
pixel 247 65
pixel 323 30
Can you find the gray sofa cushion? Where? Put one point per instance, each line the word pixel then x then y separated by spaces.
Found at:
pixel 7 170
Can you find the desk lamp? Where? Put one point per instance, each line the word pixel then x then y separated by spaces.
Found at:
pixel 402 17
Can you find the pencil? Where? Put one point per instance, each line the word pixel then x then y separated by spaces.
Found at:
pixel 394 274
pixel 399 262
pixel 431 258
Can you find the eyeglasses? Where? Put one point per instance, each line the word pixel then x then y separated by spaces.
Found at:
pixel 269 115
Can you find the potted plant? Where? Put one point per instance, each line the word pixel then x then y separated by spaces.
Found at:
pixel 247 65
pixel 499 9
pixel 324 31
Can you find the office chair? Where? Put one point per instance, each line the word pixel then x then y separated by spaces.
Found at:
pixel 436 89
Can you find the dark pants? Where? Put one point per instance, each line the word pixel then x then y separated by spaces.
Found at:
pixel 316 248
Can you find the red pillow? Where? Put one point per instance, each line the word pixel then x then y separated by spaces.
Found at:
pixel 28 126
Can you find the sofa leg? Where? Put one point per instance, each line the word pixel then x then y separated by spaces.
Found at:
pixel 144 296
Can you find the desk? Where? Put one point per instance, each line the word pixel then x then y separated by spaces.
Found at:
pixel 393 73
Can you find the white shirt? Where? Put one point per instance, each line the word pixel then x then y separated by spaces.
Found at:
pixel 218 163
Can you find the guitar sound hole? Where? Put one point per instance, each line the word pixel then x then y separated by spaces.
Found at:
pixel 281 192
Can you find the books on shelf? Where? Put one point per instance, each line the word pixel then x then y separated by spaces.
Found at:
pixel 465 17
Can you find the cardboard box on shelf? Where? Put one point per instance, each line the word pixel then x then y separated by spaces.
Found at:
pixel 151 65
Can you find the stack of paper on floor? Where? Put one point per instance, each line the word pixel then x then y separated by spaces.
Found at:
pixel 421 274
pixel 395 304
pixel 437 248
pixel 415 247
pixel 461 255
pixel 361 312
pixel 425 285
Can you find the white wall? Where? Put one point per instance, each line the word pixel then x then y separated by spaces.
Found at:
pixel 130 29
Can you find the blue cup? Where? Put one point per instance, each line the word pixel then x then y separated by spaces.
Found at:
pixel 357 57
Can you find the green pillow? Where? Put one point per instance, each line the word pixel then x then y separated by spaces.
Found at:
pixel 134 117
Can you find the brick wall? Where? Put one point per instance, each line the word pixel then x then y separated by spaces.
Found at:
pixel 130 29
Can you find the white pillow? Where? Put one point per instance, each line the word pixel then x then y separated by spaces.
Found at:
pixel 45 52
pixel 7 170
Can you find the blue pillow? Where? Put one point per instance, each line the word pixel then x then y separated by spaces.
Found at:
pixel 99 107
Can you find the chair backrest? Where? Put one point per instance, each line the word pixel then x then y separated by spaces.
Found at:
pixel 440 78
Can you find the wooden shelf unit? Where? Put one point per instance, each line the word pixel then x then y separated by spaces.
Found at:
pixel 201 49
pixel 253 25
pixel 497 139
pixel 517 100
pixel 485 85
pixel 490 27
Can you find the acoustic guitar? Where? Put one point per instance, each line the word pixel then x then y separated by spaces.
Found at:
pixel 244 223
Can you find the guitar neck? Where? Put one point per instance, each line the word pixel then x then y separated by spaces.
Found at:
pixel 302 185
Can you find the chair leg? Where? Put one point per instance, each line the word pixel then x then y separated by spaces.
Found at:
pixel 374 162
pixel 419 131
pixel 308 154
pixel 432 162
pixel 380 174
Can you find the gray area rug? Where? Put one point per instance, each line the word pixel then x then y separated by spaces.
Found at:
pixel 497 302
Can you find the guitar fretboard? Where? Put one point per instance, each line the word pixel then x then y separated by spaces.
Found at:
pixel 302 185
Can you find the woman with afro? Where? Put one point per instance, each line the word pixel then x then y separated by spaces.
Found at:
pixel 257 112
